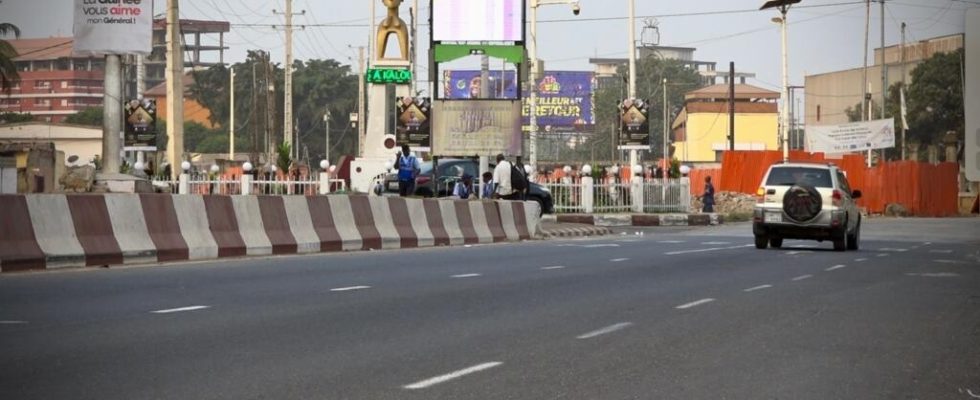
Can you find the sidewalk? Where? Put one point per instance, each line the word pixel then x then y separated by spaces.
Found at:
pixel 552 229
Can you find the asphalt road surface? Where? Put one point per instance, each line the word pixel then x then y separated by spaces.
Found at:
pixel 694 313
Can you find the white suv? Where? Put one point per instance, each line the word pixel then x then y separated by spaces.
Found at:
pixel 806 201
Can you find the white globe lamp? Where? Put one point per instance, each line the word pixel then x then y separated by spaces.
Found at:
pixel 685 170
pixel 388 165
pixel 215 168
pixel 587 169
pixel 139 166
pixel 567 169
pixel 186 166
pixel 637 169
pixel 247 166
pixel 324 164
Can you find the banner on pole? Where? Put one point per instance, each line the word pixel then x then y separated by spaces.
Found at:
pixel 412 126
pixel 856 136
pixel 141 125
pixel 113 27
pixel 634 123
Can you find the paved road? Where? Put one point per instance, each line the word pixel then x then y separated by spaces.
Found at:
pixel 668 314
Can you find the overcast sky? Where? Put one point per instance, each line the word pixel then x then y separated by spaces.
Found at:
pixel 824 35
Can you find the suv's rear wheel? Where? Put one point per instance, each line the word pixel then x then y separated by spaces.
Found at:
pixel 840 240
pixel 761 242
pixel 853 239
pixel 776 242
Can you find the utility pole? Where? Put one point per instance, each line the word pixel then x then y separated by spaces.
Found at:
pixel 175 90
pixel 231 121
pixel 902 93
pixel 361 117
pixel 112 114
pixel 884 70
pixel 866 98
pixel 533 91
pixel 415 41
pixel 631 21
pixel 288 133
pixel 326 121
pixel 731 106
pixel 666 125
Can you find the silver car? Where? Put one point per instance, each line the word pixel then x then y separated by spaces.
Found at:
pixel 806 201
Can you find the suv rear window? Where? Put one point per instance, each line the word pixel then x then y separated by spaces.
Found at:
pixel 788 176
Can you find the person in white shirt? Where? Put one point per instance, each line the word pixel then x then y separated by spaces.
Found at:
pixel 464 187
pixel 501 177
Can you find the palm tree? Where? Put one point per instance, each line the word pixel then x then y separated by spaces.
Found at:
pixel 8 71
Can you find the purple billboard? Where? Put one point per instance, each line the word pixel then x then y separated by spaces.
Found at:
pixel 564 97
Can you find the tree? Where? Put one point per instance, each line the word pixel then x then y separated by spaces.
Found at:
pixel 89 116
pixel 8 70
pixel 14 117
pixel 935 98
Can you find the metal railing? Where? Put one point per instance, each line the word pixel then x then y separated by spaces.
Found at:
pixel 238 185
pixel 587 195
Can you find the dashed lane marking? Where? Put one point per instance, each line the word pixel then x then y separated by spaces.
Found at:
pixel 671 241
pixel 452 375
pixel 883 255
pixel 949 261
pixel 606 330
pixel 934 274
pixel 694 303
pixel 838 266
pixel 466 276
pixel 349 288
pixel 553 267
pixel 860 259
pixel 941 251
pixel 893 249
pixel 802 277
pixel 619 259
pixel 715 243
pixel 760 287
pixel 12 322
pixel 181 309
pixel 674 253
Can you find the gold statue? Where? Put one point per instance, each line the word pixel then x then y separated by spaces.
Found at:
pixel 392 25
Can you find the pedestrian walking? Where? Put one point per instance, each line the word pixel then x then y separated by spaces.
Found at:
pixel 708 198
pixel 408 169
pixel 502 179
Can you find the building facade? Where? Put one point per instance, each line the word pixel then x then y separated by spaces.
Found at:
pixel 700 132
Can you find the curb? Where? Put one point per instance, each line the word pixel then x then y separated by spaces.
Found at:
pixel 578 231
pixel 642 219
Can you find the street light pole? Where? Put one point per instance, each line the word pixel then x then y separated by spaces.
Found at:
pixel 783 7
pixel 326 121
pixel 631 48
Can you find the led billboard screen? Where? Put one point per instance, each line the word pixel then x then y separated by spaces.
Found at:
pixel 477 20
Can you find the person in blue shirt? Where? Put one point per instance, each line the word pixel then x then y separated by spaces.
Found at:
pixel 488 185
pixel 408 169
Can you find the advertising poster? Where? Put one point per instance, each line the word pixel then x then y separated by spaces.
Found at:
pixel 478 20
pixel 113 27
pixel 412 127
pixel 476 127
pixel 141 125
pixel 635 124
pixel 857 136
pixel 565 98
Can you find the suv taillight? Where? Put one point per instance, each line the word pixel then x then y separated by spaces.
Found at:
pixel 837 197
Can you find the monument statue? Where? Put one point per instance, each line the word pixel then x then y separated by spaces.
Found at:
pixel 392 25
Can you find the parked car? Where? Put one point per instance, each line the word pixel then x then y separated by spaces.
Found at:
pixel 450 171
pixel 806 201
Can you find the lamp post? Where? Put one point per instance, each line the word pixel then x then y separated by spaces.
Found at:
pixel 533 54
pixel 783 6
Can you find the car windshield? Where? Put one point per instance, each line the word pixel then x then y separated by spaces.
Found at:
pixel 787 176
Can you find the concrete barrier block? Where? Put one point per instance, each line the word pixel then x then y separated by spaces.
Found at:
pixel 481 224
pixel 250 226
pixel 129 226
pixel 195 227
pixel 301 224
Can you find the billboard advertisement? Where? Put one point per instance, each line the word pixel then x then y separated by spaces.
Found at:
pixel 635 123
pixel 478 20
pixel 412 125
pixel 113 27
pixel 476 127
pixel 565 98
pixel 140 132
pixel 856 136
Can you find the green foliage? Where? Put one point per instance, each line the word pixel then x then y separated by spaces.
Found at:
pixel 14 117
pixel 89 116
pixel 8 71
pixel 283 159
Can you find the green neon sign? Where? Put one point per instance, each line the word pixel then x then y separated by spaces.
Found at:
pixel 384 76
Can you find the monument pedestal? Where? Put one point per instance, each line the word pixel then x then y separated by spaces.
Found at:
pixel 123 183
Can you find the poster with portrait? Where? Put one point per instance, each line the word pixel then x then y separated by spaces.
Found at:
pixel 412 125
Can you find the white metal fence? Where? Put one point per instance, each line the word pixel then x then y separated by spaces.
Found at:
pixel 205 184
pixel 584 195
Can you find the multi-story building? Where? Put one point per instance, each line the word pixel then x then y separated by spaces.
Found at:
pixel 55 84
pixel 701 130
pixel 606 68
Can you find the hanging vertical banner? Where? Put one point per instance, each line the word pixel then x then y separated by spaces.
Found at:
pixel 635 123
pixel 412 127
pixel 141 125
pixel 113 27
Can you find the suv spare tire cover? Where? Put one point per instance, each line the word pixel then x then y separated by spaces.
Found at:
pixel 802 202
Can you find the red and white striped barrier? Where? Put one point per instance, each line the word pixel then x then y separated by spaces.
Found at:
pixel 47 231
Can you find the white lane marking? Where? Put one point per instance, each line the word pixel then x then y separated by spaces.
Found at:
pixel 452 375
pixel 941 251
pixel 590 246
pixel 554 267
pixel 603 331
pixel 949 261
pixel 893 249
pixel 694 303
pixel 715 243
pixel 674 253
pixel 860 259
pixel 349 288
pixel 838 266
pixel 795 252
pixel 807 246
pixel 935 274
pixel 671 241
pixel 619 259
pixel 802 277
pixel 628 241
pixel 760 287
pixel 883 255
pixel 181 309
pixel 12 322
pixel 466 276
